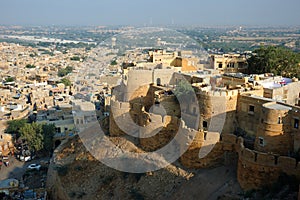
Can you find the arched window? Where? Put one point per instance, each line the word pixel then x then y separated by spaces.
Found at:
pixel 158 81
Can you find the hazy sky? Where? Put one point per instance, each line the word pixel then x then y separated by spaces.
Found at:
pixel 142 12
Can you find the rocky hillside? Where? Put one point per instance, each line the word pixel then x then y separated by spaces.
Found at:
pixel 75 174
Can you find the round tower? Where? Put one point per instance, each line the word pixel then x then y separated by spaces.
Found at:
pixel 274 131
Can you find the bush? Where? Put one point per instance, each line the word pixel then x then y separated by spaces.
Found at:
pixel 29 66
pixel 107 180
pixel 249 193
pixel 75 58
pixel 9 79
pixel 78 168
pixel 62 170
pixel 64 71
pixel 66 82
pixel 44 168
pixel 72 194
pixel 125 175
pixel 81 194
pixel 114 62
pixel 135 194
pixel 138 176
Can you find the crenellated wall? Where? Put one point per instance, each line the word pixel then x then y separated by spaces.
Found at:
pixel 217 110
pixel 262 117
pixel 255 169
pixel 141 77
pixel 162 128
pixel 117 114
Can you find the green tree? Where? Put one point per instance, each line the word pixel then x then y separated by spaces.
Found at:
pixel 277 60
pixel 14 126
pixel 113 62
pixel 30 66
pixel 64 71
pixel 32 133
pixel 61 72
pixel 48 134
pixel 75 58
pixel 66 81
pixel 9 79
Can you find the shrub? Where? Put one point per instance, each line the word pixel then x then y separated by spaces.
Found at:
pixel 135 194
pixel 107 180
pixel 62 170
pixel 75 58
pixel 9 79
pixel 29 66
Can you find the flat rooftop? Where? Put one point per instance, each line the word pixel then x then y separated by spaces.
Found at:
pixel 277 106
pixel 275 82
pixel 260 97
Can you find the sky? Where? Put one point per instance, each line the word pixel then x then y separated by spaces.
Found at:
pixel 154 12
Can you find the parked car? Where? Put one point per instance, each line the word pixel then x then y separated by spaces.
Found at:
pixel 5 160
pixel 25 158
pixel 5 157
pixel 34 166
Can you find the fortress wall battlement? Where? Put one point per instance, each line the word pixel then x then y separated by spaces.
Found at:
pixel 119 105
pixel 255 168
pixel 220 93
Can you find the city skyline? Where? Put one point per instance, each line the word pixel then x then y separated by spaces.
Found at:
pixel 134 12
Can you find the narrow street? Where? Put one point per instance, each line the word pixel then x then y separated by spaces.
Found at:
pixel 16 168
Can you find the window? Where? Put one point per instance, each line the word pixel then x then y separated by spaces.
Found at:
pixel 204 124
pixel 279 120
pixel 58 130
pixel 296 123
pixel 261 141
pixel 158 81
pixel 251 109
pixel 230 65
pixel 220 65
